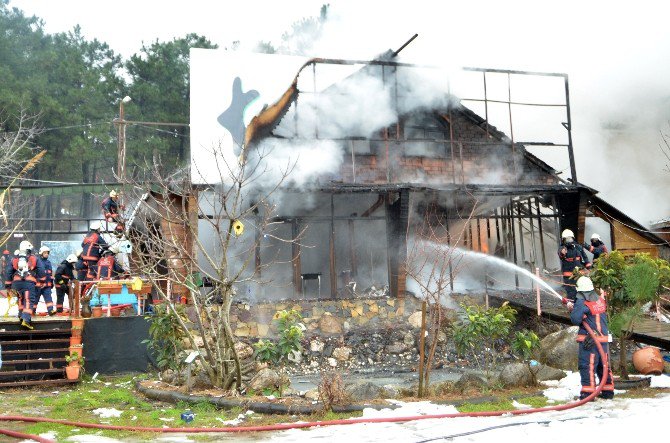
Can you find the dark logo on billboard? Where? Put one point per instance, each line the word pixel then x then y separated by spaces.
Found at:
pixel 233 118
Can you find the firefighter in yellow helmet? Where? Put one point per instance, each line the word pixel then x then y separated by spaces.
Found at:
pixel 111 210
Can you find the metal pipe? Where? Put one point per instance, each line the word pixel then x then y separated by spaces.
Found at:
pixel 508 71
pixel 511 128
pixel 316 104
pixel 135 122
pixel 486 105
pixel 509 102
pixel 571 154
pixel 397 51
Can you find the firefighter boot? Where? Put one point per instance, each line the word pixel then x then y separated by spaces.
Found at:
pixel 606 395
pixel 26 325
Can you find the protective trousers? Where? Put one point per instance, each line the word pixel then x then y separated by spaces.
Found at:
pixel 28 297
pixel 61 292
pixel 570 288
pixel 46 293
pixel 590 364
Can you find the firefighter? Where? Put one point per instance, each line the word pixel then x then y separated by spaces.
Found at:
pixel 92 246
pixel 591 308
pixel 64 274
pixel 23 273
pixel 80 266
pixel 110 210
pixel 46 283
pixel 596 247
pixel 108 267
pixel 572 256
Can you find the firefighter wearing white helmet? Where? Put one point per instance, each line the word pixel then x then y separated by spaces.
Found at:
pixel 596 247
pixel 108 267
pixel 591 309
pixel 64 274
pixel 572 256
pixel 25 247
pixel 23 273
pixel 46 282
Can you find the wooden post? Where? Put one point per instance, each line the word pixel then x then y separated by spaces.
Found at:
pixel 352 249
pixel 77 297
pixel 537 291
pixel 332 269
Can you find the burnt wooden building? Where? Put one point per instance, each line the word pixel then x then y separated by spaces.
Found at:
pixel 489 192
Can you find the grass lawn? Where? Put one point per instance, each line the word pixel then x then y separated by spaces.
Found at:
pixel 78 403
pixel 117 393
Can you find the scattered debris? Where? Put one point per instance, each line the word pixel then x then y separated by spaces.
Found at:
pixel 107 412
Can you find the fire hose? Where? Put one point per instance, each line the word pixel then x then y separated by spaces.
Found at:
pixel 303 425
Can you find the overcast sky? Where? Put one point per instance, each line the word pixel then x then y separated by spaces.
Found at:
pixel 617 55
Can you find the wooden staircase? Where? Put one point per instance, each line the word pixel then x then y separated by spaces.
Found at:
pixel 37 357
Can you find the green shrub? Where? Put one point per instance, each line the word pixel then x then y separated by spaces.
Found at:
pixel 167 338
pixel 525 343
pixel 290 332
pixel 630 282
pixel 480 330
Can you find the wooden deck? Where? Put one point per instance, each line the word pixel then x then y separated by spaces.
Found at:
pixel 647 330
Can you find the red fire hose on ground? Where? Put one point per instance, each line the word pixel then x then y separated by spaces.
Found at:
pixel 302 425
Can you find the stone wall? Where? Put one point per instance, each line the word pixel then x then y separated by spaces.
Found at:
pixel 325 317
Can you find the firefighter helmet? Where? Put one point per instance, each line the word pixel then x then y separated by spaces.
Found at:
pixel 113 193
pixel 17 252
pixel 595 237
pixel 584 284
pixel 44 248
pixel 71 258
pixel 567 233
pixel 96 225
pixel 25 245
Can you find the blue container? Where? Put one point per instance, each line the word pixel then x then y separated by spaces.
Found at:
pixel 122 298
pixel 187 416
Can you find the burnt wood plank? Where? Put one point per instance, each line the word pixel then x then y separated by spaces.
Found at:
pixel 32 372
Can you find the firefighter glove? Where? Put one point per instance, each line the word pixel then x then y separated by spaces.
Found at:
pixel 588 343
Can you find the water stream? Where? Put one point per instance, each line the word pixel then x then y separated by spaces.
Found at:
pixel 495 261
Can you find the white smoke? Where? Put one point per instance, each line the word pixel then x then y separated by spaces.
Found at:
pixel 294 163
pixel 616 58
